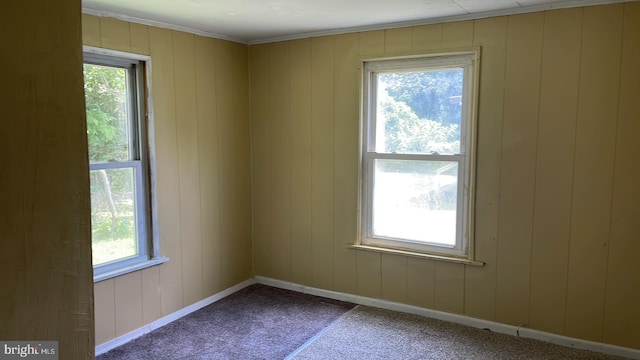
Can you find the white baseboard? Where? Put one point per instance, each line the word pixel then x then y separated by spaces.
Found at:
pixel 121 340
pixel 389 305
pixel 459 319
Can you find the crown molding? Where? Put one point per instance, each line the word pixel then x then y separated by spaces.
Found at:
pixel 163 25
pixel 346 30
pixel 439 20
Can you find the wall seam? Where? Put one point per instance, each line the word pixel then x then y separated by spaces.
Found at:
pixel 535 165
pixel 613 175
pixel 573 173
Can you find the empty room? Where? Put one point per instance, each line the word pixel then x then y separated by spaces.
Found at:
pixel 293 179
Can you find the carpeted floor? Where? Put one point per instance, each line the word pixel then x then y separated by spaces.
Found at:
pixel 257 322
pixel 262 322
pixel 371 333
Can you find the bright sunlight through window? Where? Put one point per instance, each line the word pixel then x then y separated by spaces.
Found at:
pixel 418 145
pixel 114 98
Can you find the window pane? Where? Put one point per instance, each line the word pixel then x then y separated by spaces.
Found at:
pixel 108 115
pixel 113 215
pixel 419 112
pixel 415 200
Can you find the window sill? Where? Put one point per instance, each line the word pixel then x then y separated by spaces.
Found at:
pixel 417 254
pixel 128 269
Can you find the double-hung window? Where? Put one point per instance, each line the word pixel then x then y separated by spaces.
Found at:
pixel 115 99
pixel 418 154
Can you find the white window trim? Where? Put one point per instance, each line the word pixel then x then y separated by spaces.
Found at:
pixel 463 252
pixel 151 256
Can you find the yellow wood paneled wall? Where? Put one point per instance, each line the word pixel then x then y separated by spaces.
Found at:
pixel 557 197
pixel 46 282
pixel 202 153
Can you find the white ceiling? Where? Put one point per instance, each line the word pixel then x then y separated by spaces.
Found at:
pixel 256 21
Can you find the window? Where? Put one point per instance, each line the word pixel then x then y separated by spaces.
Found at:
pixel 118 163
pixel 418 154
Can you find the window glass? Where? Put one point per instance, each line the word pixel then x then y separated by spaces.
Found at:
pixel 108 113
pixel 415 200
pixel 118 170
pixel 113 215
pixel 417 185
pixel 419 112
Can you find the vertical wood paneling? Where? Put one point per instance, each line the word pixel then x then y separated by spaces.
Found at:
pixel 369 273
pixel 346 125
pixel 301 206
pixel 554 168
pixel 421 282
pixel 480 282
pixel 427 37
pixel 531 69
pixel 90 30
pixel 304 178
pixel 449 287
pixel 322 160
pixel 398 40
pixel 151 307
pixel 281 176
pixel 105 311
pixel 209 165
pixel 517 177
pixel 128 302
pixel 262 142
pixel 189 173
pixel 232 81
pixel 593 170
pixel 139 38
pixel 188 166
pixel 393 278
pixel 371 43
pixel 114 34
pixel 261 161
pixel 231 263
pixel 621 312
pixel 241 160
pixel 457 34
pixel 166 154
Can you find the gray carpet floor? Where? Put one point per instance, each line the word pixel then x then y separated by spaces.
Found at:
pixel 257 322
pixel 262 322
pixel 371 333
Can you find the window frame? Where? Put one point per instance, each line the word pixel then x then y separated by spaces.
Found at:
pixel 463 250
pixel 140 160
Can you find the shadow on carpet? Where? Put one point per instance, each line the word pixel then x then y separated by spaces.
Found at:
pixel 257 322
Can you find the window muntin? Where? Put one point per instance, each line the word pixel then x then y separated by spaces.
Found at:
pixel 417 164
pixel 118 161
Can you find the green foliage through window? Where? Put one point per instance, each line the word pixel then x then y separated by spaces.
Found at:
pixel 106 104
pixel 113 214
pixel 421 111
